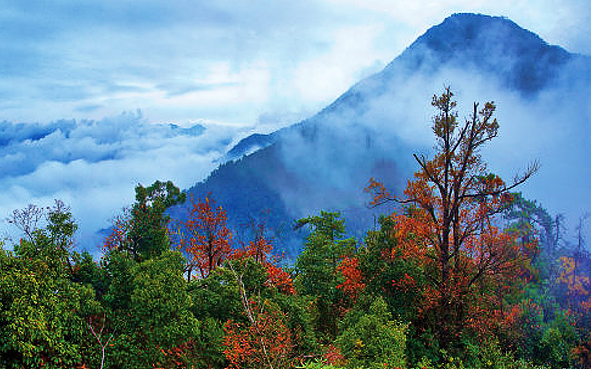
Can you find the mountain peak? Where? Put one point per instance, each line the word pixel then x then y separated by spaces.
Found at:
pixel 488 44
pixel 464 30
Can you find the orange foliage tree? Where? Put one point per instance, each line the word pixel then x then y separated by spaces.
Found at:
pixel 264 340
pixel 578 285
pixel 576 281
pixel 260 248
pixel 279 279
pixel 204 237
pixel 449 222
pixel 353 283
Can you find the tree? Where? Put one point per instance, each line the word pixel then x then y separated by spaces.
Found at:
pixel 264 341
pixel 449 219
pixel 40 316
pixel 400 281
pixel 204 237
pixel 260 249
pixel 53 242
pixel 531 216
pixel 260 245
pixel 100 339
pixel 577 279
pixel 27 219
pixel 577 284
pixel 119 238
pixel 353 283
pixel 317 267
pixel 151 310
pixel 143 231
pixel 242 289
pixel 149 233
pixel 42 308
pixel 371 338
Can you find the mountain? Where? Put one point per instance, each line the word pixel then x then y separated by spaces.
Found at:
pixel 251 144
pixel 324 162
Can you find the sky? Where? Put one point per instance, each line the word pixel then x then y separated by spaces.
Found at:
pixel 88 88
pixel 236 62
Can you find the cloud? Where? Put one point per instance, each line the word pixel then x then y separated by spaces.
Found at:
pixel 180 60
pixel 184 60
pixel 94 165
pixel 79 55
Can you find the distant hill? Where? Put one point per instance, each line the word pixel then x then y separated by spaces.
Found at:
pixel 324 162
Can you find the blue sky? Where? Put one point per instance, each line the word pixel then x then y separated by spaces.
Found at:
pixel 235 62
pixel 236 66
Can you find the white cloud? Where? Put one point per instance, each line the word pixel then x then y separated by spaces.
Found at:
pixel 94 165
pixel 229 61
pixel 337 68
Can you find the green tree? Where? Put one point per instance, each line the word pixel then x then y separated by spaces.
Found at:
pixel 400 281
pixel 558 341
pixel 151 311
pixel 316 268
pixel 371 338
pixel 144 231
pixel 149 223
pixel 42 310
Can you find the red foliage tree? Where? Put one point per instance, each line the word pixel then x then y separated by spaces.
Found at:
pixel 260 248
pixel 353 283
pixel 204 237
pixel 280 279
pixel 449 223
pixel 118 238
pixel 264 341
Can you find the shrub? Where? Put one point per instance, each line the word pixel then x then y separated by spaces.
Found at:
pixel 373 340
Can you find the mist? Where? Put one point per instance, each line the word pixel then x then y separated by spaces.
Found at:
pixel 375 127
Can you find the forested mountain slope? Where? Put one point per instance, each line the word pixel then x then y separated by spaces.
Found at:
pixel 373 129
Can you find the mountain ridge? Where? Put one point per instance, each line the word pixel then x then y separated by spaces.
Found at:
pixel 328 158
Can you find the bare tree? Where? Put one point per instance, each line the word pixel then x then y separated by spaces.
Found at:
pixel 27 219
pixel 99 338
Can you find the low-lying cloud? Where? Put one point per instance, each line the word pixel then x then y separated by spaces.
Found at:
pixel 93 166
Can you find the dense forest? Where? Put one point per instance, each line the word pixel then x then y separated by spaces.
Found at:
pixel 467 273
